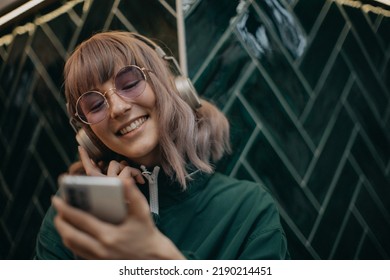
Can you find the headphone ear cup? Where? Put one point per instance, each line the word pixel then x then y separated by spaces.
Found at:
pixel 187 92
pixel 94 147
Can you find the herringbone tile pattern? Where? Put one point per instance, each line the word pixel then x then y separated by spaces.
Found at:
pixel 305 84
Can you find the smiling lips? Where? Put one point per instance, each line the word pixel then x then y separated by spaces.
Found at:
pixel 135 124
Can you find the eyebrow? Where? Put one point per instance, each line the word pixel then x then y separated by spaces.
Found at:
pixel 103 91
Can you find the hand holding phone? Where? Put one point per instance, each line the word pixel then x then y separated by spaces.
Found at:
pixel 101 196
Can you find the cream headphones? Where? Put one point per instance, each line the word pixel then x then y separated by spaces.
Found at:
pixel 95 148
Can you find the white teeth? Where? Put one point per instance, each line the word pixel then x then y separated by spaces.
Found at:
pixel 135 124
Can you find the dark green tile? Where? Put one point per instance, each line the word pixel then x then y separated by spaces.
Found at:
pixel 241 128
pixel 372 17
pixel 350 239
pixel 64 28
pixel 5 243
pixel 25 247
pixel 375 219
pixel 331 155
pixel 243 174
pixel 172 3
pixel 290 2
pixel 365 73
pixel 377 134
pixel 218 80
pixel 204 27
pixel 264 47
pixel 28 175
pixel 118 24
pixel 372 170
pixel 3 150
pixel 307 11
pixel 271 112
pixel 48 56
pixel 156 23
pixel 335 212
pixel 272 171
pixel 96 18
pixel 386 75
pixel 326 100
pixel 383 32
pixel 366 35
pixel 370 251
pixel 56 116
pixel 296 248
pixel 47 148
pixel 322 46
pixel 3 199
pixel 3 53
pixel 17 100
pixel 21 141
pixel 79 9
pixel 145 23
pixel 3 98
pixel 10 69
pixel 286 25
pixel 2 105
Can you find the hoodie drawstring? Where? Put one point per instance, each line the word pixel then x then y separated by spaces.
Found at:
pixel 152 178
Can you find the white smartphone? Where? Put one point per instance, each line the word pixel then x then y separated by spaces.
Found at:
pixel 103 197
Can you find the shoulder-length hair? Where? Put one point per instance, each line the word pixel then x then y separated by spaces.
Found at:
pixel 187 137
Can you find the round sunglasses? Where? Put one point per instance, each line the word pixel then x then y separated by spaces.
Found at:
pixel 92 106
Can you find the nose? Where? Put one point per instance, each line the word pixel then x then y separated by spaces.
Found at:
pixel 118 106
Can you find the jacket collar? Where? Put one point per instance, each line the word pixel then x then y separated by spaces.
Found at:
pixel 171 192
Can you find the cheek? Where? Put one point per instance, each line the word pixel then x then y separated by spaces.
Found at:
pixel 149 97
pixel 98 130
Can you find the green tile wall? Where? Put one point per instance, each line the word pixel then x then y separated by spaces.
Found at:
pixel 305 84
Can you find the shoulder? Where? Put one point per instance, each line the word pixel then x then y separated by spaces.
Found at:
pixel 242 195
pixel 252 207
pixel 222 183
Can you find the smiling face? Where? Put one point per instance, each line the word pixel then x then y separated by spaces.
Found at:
pixel 130 127
pixel 142 129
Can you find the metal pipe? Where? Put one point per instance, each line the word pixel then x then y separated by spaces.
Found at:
pixel 181 37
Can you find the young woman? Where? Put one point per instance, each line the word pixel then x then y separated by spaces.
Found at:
pixel 120 90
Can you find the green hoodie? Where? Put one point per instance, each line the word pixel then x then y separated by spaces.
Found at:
pixel 217 217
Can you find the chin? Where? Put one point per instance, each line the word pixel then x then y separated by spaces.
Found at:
pixel 147 158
